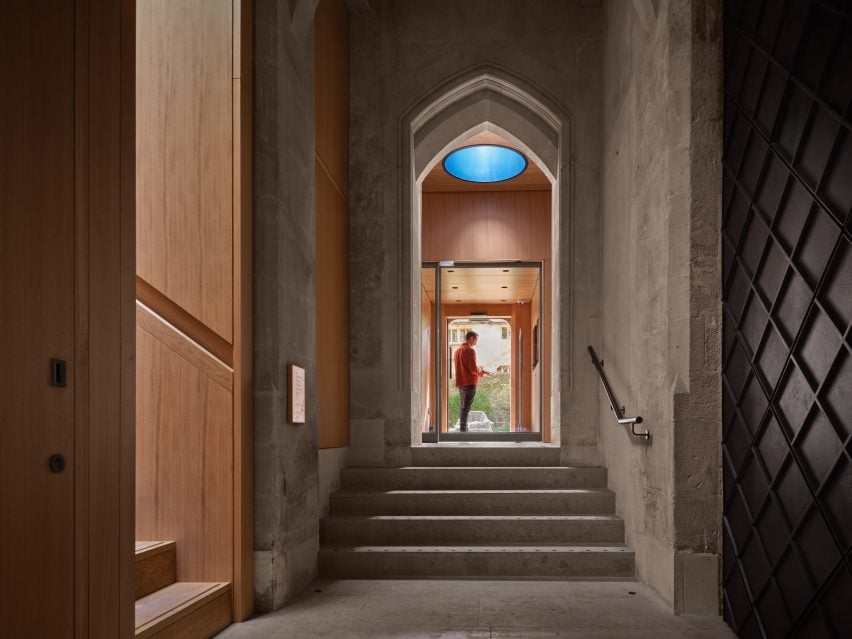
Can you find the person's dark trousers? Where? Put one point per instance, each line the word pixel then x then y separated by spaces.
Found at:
pixel 466 394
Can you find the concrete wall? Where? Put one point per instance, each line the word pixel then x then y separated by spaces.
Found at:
pixel 286 459
pixel 660 199
pixel 331 460
pixel 400 52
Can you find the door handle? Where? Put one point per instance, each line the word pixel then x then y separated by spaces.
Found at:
pixel 57 463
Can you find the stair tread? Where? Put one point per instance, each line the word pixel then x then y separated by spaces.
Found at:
pixel 494 548
pixel 583 518
pixel 473 468
pixel 477 491
pixel 173 602
pixel 151 548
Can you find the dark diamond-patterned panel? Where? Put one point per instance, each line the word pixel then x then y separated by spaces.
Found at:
pixel 787 342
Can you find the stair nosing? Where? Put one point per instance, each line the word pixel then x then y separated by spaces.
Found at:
pixel 392 468
pixel 602 517
pixel 500 491
pixel 621 549
pixel 158 548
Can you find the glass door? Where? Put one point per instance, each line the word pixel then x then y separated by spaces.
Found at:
pixel 500 302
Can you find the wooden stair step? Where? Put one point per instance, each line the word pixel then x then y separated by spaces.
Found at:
pixel 184 610
pixel 156 566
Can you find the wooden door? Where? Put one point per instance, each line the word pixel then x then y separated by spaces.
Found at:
pixel 37 319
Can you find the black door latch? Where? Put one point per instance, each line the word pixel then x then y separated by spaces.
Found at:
pixel 58 372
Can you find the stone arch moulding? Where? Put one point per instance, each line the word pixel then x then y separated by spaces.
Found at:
pixel 488 98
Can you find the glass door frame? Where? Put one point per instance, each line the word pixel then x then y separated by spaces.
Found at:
pixel 441 364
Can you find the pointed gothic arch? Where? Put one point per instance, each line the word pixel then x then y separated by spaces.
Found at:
pixel 490 99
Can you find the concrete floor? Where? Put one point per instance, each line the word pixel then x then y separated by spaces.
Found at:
pixel 463 609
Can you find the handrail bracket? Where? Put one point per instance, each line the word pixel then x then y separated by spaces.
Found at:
pixel 613 403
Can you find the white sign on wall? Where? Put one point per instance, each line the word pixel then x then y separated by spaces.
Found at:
pixel 296 395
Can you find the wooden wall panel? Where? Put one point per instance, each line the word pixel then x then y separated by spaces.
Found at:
pixel 184 155
pixel 37 320
pixel 331 66
pixel 522 320
pixel 66 244
pixel 332 245
pixel 507 225
pixel 243 384
pixel 427 355
pixel 187 494
pixel 331 83
pixel 107 136
pixel 535 316
pixel 194 64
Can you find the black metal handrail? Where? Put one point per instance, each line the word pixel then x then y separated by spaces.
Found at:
pixel 614 406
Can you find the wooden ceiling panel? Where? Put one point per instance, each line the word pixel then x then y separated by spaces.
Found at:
pixel 486 285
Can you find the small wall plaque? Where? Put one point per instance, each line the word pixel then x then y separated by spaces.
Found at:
pixel 296 396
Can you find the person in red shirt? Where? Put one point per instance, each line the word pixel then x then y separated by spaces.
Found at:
pixel 467 375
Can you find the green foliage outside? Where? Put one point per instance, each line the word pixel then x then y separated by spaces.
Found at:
pixel 492 397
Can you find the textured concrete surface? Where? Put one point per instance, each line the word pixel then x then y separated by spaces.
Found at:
pixel 401 53
pixel 478 455
pixel 637 158
pixel 661 186
pixel 471 529
pixel 574 501
pixel 540 560
pixel 481 525
pixel 331 461
pixel 474 477
pixel 466 609
pixel 286 465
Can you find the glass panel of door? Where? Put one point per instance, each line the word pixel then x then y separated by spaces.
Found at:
pixel 501 304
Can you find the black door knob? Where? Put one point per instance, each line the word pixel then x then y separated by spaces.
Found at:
pixel 57 463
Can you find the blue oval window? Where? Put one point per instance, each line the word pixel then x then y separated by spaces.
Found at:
pixel 485 163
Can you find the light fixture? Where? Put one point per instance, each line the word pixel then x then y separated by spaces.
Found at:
pixel 485 163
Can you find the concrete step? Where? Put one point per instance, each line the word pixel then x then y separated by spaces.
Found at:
pixel 479 455
pixel 487 529
pixel 584 501
pixel 565 561
pixel 472 477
